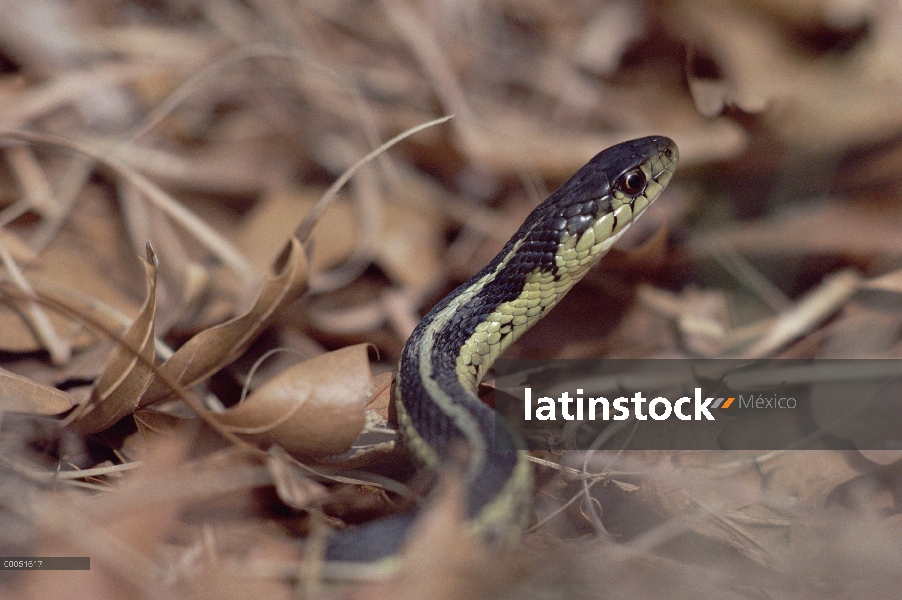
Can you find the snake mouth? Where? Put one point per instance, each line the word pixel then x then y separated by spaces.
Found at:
pixel 659 171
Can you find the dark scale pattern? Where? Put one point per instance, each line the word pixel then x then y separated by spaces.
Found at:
pixel 572 209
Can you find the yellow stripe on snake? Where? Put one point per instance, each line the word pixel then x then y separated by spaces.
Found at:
pixel 450 351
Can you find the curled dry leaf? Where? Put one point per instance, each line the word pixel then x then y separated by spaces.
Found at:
pixel 376 446
pixel 127 373
pixel 22 395
pixel 211 349
pixel 315 408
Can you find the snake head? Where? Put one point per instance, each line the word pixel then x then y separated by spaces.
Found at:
pixel 631 174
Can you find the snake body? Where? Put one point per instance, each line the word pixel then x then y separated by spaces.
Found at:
pixel 450 351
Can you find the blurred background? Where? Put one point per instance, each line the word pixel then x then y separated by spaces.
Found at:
pixel 787 115
pixel 214 128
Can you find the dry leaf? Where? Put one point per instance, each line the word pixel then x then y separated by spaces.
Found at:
pixel 212 349
pixel 380 400
pixel 76 265
pixel 315 408
pixel 127 373
pixel 410 246
pixel 890 282
pixel 332 239
pixel 822 228
pixel 152 423
pixel 22 395
pixel 806 477
pixel 811 100
pixel 120 536
pixel 735 498
pixel 809 311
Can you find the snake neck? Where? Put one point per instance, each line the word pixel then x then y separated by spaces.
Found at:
pixel 456 343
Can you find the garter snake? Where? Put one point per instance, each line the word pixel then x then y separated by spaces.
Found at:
pixel 458 340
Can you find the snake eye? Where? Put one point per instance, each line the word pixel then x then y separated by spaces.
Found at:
pixel 632 182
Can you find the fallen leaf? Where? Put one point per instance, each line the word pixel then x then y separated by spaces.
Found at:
pixel 821 228
pixel 276 217
pixel 315 408
pixel 410 245
pixel 71 270
pixel 22 395
pixel 153 423
pixel 807 477
pixel 212 349
pixel 380 400
pixel 128 371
